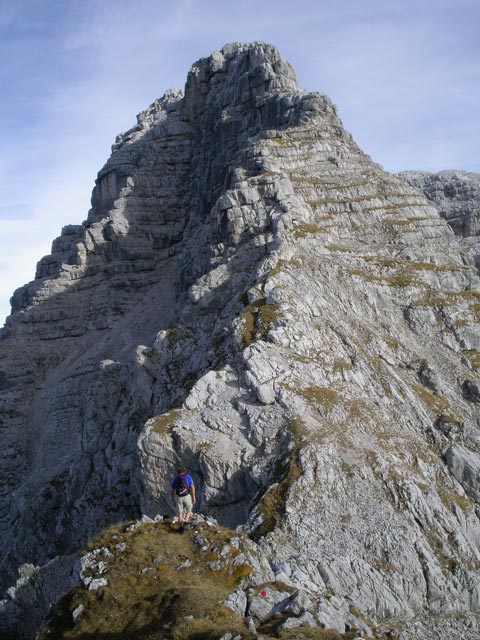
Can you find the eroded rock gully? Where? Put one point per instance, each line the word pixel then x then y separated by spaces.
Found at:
pixel 253 296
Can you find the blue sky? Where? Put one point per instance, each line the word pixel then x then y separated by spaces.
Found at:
pixel 405 76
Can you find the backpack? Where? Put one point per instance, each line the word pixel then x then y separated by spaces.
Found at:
pixel 182 488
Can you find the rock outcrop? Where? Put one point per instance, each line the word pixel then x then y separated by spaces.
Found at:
pixel 255 297
pixel 456 194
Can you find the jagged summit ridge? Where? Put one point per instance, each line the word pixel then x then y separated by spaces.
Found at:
pixel 229 82
pixel 232 67
pixel 253 296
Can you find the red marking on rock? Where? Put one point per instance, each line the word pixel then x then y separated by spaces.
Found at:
pixel 263 594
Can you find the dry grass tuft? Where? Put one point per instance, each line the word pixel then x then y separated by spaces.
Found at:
pixel 272 504
pixel 160 586
pixel 164 422
pixel 259 317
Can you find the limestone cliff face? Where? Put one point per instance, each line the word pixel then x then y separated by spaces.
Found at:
pixel 252 295
pixel 457 196
pixel 455 193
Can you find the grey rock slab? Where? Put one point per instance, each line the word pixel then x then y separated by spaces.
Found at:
pixel 465 467
pixel 237 601
pixel 78 612
pixel 266 602
pixel 97 583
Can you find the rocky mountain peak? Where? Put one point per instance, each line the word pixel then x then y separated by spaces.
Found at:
pixel 239 74
pixel 253 297
pixel 236 75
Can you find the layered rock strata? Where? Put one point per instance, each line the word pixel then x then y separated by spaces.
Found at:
pixel 456 194
pixel 255 297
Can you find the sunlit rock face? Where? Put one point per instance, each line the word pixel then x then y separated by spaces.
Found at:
pixel 252 296
pixel 456 194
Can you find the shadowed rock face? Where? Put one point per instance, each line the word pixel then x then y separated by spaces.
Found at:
pixel 253 296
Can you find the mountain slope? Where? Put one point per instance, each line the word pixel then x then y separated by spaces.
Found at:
pixel 253 296
pixel 456 194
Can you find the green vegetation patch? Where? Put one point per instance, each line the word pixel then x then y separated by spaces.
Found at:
pixel 474 357
pixel 307 229
pixel 399 273
pixel 436 403
pixel 164 422
pixel 451 498
pixel 259 318
pixel 162 584
pixel 273 503
pixel 324 396
pixel 342 364
pixel 324 399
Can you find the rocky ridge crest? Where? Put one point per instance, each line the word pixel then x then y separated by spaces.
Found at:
pixel 252 295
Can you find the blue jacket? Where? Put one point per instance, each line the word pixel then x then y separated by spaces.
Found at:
pixel 187 478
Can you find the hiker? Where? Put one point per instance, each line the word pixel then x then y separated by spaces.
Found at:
pixel 183 495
